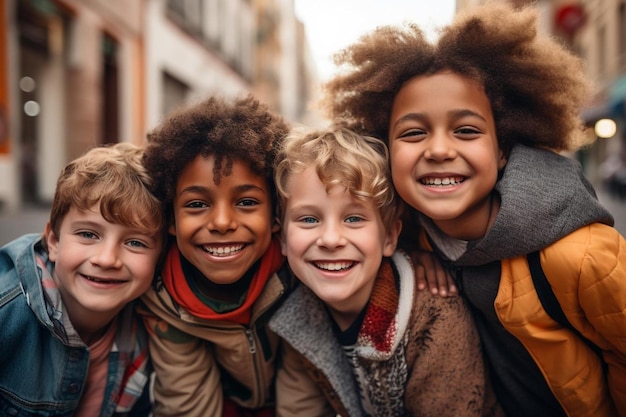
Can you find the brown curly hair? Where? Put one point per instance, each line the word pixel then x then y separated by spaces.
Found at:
pixel 242 129
pixel 112 178
pixel 535 85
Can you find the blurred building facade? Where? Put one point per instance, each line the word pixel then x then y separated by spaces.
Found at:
pixel 75 74
pixel 596 31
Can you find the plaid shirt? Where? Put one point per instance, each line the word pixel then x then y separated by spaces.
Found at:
pixel 129 366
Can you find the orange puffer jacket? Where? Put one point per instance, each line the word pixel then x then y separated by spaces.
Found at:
pixel 587 272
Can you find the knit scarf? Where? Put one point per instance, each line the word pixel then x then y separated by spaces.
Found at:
pixel 176 284
pixel 379 329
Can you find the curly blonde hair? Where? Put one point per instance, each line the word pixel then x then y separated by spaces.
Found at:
pixel 535 85
pixel 340 157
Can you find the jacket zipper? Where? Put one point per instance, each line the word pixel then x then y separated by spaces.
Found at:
pixel 251 342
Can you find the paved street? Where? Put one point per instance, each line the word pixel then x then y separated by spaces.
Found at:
pixel 33 219
pixel 27 220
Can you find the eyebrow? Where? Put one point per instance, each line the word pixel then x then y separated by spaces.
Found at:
pixel 201 189
pixel 466 112
pixel 456 113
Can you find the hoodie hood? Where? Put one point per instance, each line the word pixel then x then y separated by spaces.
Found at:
pixel 544 197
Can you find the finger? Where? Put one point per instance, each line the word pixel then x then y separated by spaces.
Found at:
pixel 420 277
pixel 442 281
pixel 452 288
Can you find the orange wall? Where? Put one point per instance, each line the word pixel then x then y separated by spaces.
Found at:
pixel 4 90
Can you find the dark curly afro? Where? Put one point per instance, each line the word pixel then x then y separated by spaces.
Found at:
pixel 243 130
pixel 535 85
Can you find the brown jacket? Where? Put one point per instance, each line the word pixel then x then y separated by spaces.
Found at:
pixel 433 366
pixel 207 359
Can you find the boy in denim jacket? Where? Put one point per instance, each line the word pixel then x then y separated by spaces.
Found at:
pixel 72 345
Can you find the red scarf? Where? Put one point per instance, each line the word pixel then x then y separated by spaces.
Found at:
pixel 178 287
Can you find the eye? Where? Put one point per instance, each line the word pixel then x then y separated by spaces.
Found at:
pixel 248 202
pixel 196 204
pixel 86 234
pixel 468 132
pixel 308 220
pixel 412 135
pixel 354 219
pixel 136 243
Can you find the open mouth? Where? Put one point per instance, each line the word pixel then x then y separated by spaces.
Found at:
pixel 334 266
pixel 223 250
pixel 103 280
pixel 441 182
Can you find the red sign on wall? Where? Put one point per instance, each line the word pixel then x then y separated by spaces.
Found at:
pixel 570 18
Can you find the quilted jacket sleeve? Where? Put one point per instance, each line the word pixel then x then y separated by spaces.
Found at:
pixel 596 303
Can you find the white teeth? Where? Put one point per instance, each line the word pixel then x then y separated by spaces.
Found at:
pixel 442 181
pixel 100 280
pixel 223 250
pixel 334 266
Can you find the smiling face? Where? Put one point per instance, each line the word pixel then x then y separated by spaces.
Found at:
pixel 334 243
pixel 444 152
pixel 100 266
pixel 222 229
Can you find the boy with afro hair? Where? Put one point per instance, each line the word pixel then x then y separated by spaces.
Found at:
pixel 212 165
pixel 475 123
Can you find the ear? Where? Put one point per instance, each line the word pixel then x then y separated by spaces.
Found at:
pixel 391 239
pixel 502 160
pixel 275 225
pixel 281 235
pixel 52 241
pixel 172 228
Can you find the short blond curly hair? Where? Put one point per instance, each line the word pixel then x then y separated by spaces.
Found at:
pixel 340 157
pixel 535 85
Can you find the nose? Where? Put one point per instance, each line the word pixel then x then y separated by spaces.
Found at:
pixel 440 146
pixel 331 236
pixel 107 255
pixel 222 219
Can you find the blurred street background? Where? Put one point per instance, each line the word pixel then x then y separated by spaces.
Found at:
pixel 75 74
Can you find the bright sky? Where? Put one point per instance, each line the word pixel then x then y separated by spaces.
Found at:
pixel 332 25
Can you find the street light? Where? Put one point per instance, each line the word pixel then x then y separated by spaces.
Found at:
pixel 605 128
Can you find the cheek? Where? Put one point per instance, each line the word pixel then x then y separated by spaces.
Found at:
pixel 295 243
pixel 402 158
pixel 401 176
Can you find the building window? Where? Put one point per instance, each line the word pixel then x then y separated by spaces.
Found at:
pixel 175 93
pixel 110 91
pixel 187 13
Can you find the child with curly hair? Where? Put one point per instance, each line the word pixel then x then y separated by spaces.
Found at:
pixel 475 122
pixel 360 338
pixel 72 343
pixel 212 165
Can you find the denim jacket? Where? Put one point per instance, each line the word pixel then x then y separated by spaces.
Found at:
pixel 42 373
